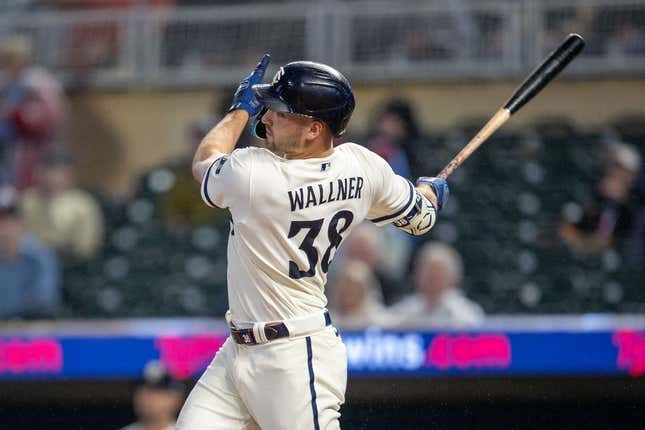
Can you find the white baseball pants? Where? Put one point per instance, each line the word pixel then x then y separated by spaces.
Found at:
pixel 295 383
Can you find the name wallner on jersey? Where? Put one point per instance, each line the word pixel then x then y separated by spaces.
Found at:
pixel 317 194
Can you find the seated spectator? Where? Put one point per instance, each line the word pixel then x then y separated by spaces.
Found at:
pixel 437 301
pixel 356 298
pixel 609 217
pixel 32 108
pixel 394 135
pixel 29 271
pixel 62 215
pixel 384 252
pixel 157 400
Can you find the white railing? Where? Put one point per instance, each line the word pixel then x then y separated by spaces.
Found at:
pixel 369 40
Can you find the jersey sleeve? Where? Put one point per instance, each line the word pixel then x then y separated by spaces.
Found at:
pixel 226 183
pixel 393 196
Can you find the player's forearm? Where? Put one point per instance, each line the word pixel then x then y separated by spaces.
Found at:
pixel 220 140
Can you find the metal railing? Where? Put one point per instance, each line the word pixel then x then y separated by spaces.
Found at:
pixel 368 40
pixel 428 39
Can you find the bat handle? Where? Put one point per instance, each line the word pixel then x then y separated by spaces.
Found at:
pixel 500 117
pixel 450 167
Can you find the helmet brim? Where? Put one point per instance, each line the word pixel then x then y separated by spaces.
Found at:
pixel 269 98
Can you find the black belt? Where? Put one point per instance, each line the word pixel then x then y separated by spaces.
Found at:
pixel 272 331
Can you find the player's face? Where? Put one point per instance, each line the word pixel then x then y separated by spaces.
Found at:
pixel 286 133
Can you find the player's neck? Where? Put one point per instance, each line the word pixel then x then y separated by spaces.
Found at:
pixel 316 149
pixel 305 155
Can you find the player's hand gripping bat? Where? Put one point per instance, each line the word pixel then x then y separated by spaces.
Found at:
pixel 542 75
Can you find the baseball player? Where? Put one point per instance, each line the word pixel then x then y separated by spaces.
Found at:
pixel 292 204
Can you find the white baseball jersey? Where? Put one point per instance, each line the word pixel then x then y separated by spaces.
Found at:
pixel 290 216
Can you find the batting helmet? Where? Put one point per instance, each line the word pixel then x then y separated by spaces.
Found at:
pixel 307 88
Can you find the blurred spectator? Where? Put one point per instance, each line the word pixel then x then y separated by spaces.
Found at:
pixel 28 270
pixel 609 217
pixel 31 112
pixel 395 136
pixel 391 130
pixel 386 256
pixel 157 400
pixel 62 215
pixel 174 190
pixel 634 245
pixel 438 301
pixel 356 298
pixel 97 43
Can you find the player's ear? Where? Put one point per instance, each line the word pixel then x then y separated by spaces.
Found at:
pixel 316 128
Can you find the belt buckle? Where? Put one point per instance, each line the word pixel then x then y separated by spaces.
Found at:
pixel 270 331
pixel 243 336
pixel 247 338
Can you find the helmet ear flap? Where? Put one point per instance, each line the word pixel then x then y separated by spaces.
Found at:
pixel 258 130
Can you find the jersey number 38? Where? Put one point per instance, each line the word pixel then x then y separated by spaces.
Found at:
pixel 334 234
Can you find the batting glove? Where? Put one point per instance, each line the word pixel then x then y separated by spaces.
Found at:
pixel 244 97
pixel 440 188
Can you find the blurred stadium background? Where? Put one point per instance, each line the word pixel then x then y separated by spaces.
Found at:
pixel 139 76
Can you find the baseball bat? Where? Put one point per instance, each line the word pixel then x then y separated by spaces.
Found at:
pixel 542 75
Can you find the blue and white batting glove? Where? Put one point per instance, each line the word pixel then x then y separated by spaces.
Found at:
pixel 439 186
pixel 244 97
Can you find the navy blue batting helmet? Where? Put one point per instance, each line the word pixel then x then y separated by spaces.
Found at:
pixel 307 88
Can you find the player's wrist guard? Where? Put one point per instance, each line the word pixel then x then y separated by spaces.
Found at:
pixel 439 187
pixel 420 219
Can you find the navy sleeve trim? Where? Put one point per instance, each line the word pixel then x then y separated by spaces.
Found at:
pixel 399 212
pixel 205 184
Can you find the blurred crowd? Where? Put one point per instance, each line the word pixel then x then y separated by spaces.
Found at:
pixel 45 216
pixel 56 238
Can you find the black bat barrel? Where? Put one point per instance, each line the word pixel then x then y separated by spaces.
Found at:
pixel 546 71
